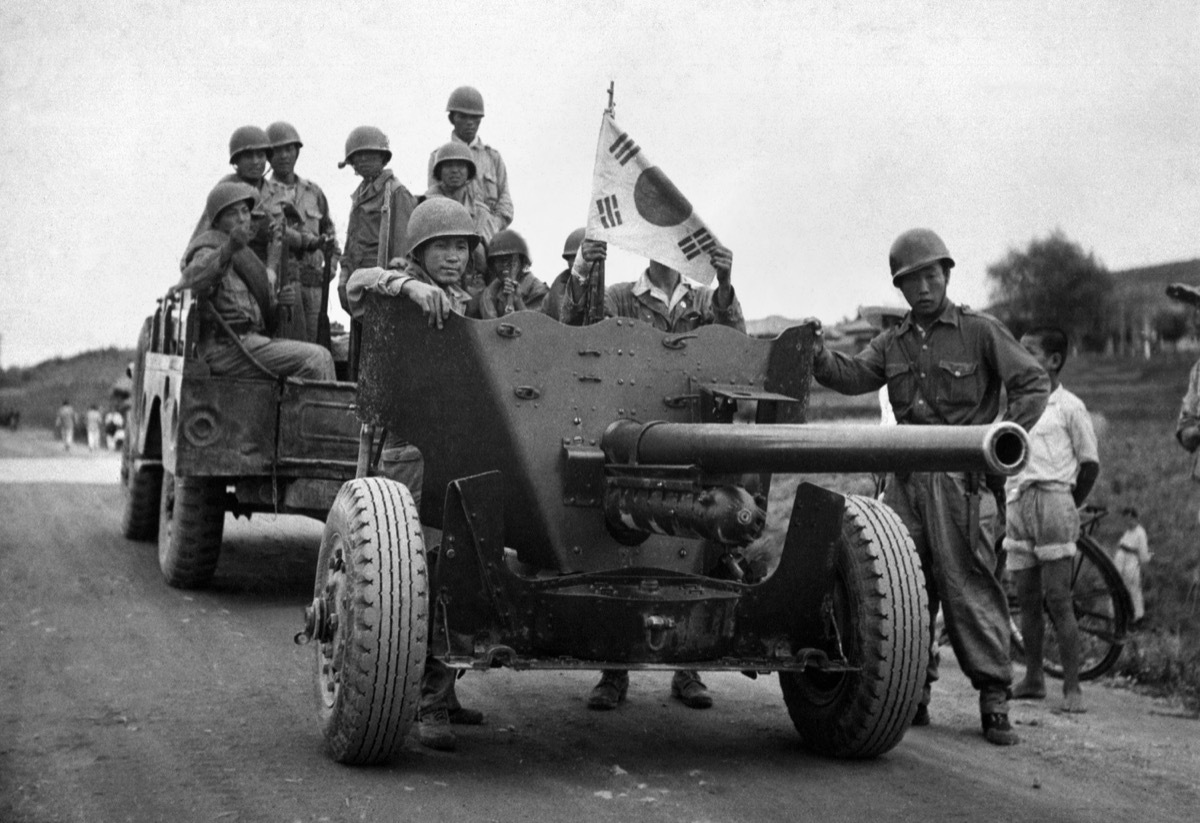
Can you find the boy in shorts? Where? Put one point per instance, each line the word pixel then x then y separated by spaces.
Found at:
pixel 1043 521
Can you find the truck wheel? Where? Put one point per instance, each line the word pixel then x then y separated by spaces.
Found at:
pixel 191 520
pixel 879 616
pixel 143 489
pixel 372 595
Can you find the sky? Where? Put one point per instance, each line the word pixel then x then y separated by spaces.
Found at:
pixel 806 134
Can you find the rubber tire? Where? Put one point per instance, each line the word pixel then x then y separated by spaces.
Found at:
pixel 191 521
pixel 1103 609
pixel 143 492
pixel 371 574
pixel 882 612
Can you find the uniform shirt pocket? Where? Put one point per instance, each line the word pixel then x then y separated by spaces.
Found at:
pixel 958 382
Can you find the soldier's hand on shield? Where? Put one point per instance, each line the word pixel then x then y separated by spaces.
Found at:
pixel 818 333
pixel 430 298
pixel 594 250
pixel 722 261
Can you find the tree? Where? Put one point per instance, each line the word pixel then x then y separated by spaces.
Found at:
pixel 1053 281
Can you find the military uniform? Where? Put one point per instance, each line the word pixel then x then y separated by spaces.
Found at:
pixel 686 309
pixel 313 209
pixel 489 186
pixel 207 273
pixel 362 231
pixel 951 373
pixel 265 212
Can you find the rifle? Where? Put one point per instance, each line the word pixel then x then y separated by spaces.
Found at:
pixel 381 260
pixel 291 323
pixel 323 333
pixel 594 300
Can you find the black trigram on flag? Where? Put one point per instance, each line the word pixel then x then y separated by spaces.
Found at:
pixel 624 149
pixel 610 212
pixel 696 242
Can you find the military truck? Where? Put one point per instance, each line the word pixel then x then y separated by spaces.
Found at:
pixel 198 445
pixel 587 500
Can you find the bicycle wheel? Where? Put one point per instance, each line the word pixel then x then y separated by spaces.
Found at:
pixel 1103 611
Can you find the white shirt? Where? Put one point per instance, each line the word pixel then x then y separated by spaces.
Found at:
pixel 1061 439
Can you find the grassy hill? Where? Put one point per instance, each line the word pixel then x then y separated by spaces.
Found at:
pixel 37 391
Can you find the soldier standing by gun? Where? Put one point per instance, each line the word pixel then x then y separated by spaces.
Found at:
pixel 670 302
pixel 553 301
pixel 945 364
pixel 311 234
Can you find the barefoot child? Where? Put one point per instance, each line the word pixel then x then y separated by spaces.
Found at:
pixel 1043 521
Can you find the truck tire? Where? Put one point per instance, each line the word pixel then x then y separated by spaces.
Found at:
pixel 143 492
pixel 373 590
pixel 191 520
pixel 881 615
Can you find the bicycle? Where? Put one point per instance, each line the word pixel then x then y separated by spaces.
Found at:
pixel 1103 608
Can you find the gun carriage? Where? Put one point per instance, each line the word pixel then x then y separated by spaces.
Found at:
pixel 592 491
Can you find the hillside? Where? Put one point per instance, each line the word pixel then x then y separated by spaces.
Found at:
pixel 37 391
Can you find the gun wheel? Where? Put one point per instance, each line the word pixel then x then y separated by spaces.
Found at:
pixel 372 593
pixel 191 521
pixel 879 616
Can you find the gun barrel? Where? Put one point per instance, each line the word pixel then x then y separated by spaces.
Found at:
pixel 1000 448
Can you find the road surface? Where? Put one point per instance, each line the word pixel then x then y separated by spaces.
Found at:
pixel 124 700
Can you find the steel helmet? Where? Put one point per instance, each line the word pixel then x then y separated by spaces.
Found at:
pixel 248 138
pixel 454 151
pixel 225 195
pixel 574 240
pixel 508 242
pixel 440 217
pixel 366 138
pixel 466 100
pixel 281 134
pixel 915 249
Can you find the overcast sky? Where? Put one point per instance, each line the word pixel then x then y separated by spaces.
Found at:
pixel 806 134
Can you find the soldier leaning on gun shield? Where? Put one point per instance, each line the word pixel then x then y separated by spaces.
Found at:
pixel 442 237
pixel 945 364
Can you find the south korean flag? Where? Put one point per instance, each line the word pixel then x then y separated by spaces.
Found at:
pixel 637 208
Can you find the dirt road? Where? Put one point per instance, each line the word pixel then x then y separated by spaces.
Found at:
pixel 124 700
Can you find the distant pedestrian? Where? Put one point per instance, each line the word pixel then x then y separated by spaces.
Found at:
pixel 1133 552
pixel 94 421
pixel 114 423
pixel 1042 522
pixel 65 422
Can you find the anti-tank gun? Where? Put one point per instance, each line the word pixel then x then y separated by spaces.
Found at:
pixel 592 494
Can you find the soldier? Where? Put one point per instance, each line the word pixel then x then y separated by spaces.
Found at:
pixel 945 364
pixel 511 286
pixel 553 302
pixel 454 171
pixel 315 228
pixel 249 150
pixel 671 303
pixel 379 195
pixel 219 264
pixel 490 184
pixel 443 238
pixel 661 296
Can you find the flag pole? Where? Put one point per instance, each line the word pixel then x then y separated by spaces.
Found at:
pixel 595 288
